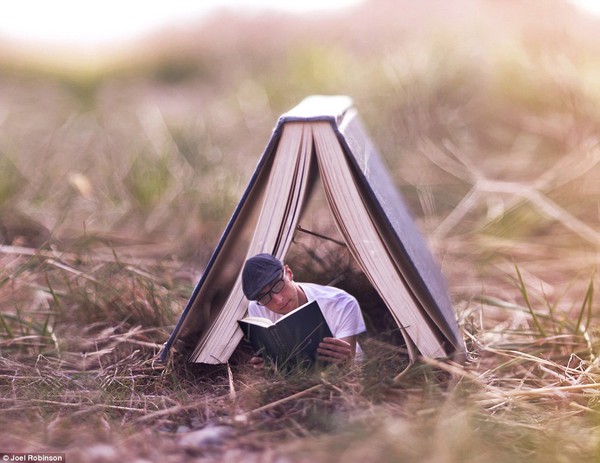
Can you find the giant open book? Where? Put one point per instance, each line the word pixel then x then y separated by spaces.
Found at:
pixel 322 139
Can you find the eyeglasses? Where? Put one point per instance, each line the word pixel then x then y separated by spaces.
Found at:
pixel 274 289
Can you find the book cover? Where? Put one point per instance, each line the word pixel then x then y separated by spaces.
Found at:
pixel 291 340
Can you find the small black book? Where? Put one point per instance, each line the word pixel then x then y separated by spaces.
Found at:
pixel 290 341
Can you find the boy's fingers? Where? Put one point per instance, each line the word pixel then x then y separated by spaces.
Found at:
pixel 257 362
pixel 334 352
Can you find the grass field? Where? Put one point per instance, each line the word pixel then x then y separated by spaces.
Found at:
pixel 117 178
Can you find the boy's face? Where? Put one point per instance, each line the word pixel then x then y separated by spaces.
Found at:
pixel 285 300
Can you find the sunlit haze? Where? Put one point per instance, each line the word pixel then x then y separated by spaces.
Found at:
pixel 91 23
pixel 591 6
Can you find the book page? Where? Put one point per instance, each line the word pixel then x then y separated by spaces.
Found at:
pixel 281 208
pixel 260 321
pixel 400 233
pixel 364 241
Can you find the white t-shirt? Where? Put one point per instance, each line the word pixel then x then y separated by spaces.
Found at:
pixel 340 309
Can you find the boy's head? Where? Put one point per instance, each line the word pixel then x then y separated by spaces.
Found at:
pixel 259 271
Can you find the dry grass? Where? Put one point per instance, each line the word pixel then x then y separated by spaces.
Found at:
pixel 115 185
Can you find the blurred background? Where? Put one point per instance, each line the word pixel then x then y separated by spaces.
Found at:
pixel 126 126
pixel 128 132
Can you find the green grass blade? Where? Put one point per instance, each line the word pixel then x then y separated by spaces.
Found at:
pixel 586 307
pixel 525 294
pixel 53 293
pixel 6 327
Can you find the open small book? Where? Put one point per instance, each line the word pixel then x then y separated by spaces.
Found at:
pixel 291 340
pixel 321 145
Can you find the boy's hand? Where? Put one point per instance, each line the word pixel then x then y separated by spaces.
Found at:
pixel 334 350
pixel 257 362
